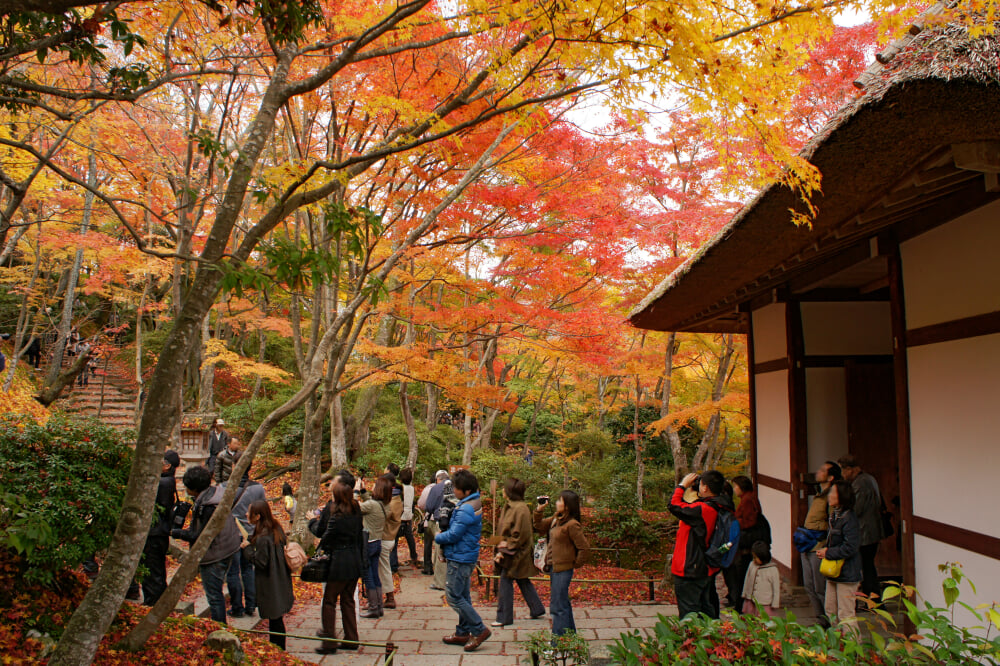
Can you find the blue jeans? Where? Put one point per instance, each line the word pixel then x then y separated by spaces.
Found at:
pixel 559 606
pixel 370 573
pixel 240 581
pixel 212 577
pixel 457 590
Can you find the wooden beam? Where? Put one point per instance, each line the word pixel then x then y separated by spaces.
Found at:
pixel 798 452
pixel 976 542
pixel 902 386
pixel 839 360
pixel 773 483
pixel 957 329
pixel 981 156
pixel 752 397
pixel 770 366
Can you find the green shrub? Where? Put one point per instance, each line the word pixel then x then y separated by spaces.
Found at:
pixel 752 640
pixel 550 650
pixel 388 442
pixel 543 477
pixel 61 488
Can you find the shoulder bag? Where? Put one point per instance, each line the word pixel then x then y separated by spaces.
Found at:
pixel 831 568
pixel 317 569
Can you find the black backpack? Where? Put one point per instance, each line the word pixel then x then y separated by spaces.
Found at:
pixel 725 539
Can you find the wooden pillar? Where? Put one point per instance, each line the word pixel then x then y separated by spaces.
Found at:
pixel 752 393
pixel 798 453
pixel 901 372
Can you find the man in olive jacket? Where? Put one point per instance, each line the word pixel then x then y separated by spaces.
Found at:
pixel 868 509
pixel 215 562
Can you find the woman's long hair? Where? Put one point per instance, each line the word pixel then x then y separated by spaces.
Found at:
pixel 383 488
pixel 343 499
pixel 571 506
pixel 266 523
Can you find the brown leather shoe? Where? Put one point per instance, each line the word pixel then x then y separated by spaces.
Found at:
pixel 455 639
pixel 390 600
pixel 478 640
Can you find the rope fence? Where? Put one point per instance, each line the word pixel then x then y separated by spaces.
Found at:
pixel 389 647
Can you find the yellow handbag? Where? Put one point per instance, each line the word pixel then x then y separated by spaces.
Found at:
pixel 831 568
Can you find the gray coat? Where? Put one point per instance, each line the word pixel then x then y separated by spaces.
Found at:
pixel 272 576
pixel 868 508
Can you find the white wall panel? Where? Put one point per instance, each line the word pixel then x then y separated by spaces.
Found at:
pixel 981 570
pixel 769 335
pixel 846 328
pixel 777 508
pixel 771 396
pixel 826 415
pixel 954 424
pixel 950 272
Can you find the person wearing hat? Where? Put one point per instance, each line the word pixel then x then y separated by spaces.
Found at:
pixel 218 440
pixel 154 554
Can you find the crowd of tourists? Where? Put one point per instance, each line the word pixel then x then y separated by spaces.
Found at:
pixel 837 544
pixel 722 529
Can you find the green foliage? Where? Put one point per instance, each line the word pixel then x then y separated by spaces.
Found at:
pixel 61 486
pixel 247 416
pixel 543 477
pixel 388 442
pixel 617 516
pixel 551 650
pixel 751 640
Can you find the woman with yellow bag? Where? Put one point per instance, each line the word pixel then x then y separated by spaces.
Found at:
pixel 842 557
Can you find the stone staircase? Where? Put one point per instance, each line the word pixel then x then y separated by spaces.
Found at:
pixel 111 384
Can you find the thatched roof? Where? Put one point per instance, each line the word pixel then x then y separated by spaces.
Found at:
pixel 936 89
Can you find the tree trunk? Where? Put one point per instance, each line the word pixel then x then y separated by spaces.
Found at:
pixel 206 388
pixel 312 452
pixel 51 391
pixel 432 414
pixel 69 299
pixel 356 425
pixel 486 434
pixel 338 443
pixel 20 344
pixel 710 440
pixel 411 430
pixel 467 434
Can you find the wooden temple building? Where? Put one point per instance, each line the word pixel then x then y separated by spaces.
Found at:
pixel 877 331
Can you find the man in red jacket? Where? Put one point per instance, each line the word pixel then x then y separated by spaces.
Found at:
pixel 692 575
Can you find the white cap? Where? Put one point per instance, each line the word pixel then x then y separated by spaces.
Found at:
pixel 220 422
pixel 440 473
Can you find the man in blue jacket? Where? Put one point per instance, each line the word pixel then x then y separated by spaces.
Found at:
pixel 460 544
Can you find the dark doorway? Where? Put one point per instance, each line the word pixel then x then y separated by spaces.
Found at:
pixel 871 438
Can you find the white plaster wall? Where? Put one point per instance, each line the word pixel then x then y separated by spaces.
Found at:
pixel 981 570
pixel 950 272
pixel 826 415
pixel 954 424
pixel 847 328
pixel 771 397
pixel 769 335
pixel 777 508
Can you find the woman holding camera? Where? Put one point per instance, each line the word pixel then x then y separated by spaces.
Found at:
pixel 374 510
pixel 843 543
pixel 514 556
pixel 567 550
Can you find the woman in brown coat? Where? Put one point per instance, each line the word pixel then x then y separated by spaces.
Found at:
pixel 514 556
pixel 568 549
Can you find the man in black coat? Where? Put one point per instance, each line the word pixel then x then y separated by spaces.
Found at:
pixel 158 541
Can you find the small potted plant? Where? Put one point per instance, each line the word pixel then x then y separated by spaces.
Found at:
pixel 547 649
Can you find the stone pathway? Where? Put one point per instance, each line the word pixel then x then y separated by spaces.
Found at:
pixel 423 618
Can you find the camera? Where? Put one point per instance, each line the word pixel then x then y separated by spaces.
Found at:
pixel 180 512
pixel 542 500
